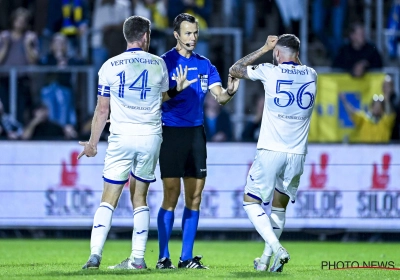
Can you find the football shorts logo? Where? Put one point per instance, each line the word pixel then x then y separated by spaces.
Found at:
pixel 203 82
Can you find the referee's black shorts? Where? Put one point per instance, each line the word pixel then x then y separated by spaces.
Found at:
pixel 183 152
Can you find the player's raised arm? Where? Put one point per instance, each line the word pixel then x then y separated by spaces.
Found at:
pixel 239 69
pixel 347 106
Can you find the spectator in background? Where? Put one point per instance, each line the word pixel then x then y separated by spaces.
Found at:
pixel 393 25
pixel 86 128
pixel 358 55
pixel 201 10
pixel 252 128
pixel 291 12
pixel 70 18
pixel 388 90
pixel 156 11
pixel 18 47
pixel 376 125
pixel 58 56
pixel 7 8
pixel 334 11
pixel 10 128
pixel 57 95
pixel 217 123
pixel 243 14
pixel 41 128
pixel 107 20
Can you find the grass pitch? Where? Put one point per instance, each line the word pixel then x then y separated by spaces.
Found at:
pixel 62 259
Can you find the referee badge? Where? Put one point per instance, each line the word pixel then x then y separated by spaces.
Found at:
pixel 203 82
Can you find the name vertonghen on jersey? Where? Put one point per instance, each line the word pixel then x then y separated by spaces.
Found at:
pixel 134 60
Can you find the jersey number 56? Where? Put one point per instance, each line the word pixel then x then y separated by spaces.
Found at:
pixel 299 96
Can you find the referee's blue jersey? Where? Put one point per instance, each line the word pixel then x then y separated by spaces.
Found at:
pixel 186 109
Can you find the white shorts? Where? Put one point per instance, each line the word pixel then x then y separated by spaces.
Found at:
pixel 135 153
pixel 274 170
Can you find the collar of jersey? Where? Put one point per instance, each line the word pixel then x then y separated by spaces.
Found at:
pixel 290 62
pixel 181 56
pixel 133 50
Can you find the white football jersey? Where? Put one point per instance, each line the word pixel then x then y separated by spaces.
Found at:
pixel 290 92
pixel 135 81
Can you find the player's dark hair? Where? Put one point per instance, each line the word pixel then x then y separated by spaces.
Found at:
pixel 183 17
pixel 289 41
pixel 135 27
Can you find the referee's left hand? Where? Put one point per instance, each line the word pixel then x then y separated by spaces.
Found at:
pixel 233 84
pixel 180 78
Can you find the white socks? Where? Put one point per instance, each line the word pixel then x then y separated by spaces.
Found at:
pixel 101 227
pixel 262 224
pixel 102 224
pixel 277 218
pixel 141 222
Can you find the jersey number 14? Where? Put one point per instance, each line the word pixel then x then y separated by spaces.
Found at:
pixel 142 79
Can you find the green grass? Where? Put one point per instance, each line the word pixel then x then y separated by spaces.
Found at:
pixel 62 259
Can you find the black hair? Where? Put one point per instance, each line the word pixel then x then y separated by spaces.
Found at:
pixel 183 17
pixel 135 27
pixel 289 41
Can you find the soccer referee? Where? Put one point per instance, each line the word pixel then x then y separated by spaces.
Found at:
pixel 183 151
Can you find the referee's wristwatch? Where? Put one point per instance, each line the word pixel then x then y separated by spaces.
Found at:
pixel 230 94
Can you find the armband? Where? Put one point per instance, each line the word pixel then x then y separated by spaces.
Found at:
pixel 172 92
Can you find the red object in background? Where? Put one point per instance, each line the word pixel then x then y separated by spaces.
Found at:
pixel 380 181
pixel 318 180
pixel 69 176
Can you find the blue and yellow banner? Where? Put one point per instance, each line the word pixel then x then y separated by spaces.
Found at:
pixel 330 122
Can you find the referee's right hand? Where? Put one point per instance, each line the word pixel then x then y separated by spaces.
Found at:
pixel 180 78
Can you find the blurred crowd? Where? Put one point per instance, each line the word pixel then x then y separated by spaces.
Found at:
pixel 73 33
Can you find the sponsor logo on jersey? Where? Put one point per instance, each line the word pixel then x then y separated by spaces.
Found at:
pixel 291 117
pixel 192 68
pixel 137 107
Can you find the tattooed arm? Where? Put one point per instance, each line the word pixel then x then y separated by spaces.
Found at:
pixel 239 69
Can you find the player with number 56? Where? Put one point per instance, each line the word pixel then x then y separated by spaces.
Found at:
pixel 290 91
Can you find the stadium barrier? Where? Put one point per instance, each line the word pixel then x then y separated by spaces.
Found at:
pixel 346 187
